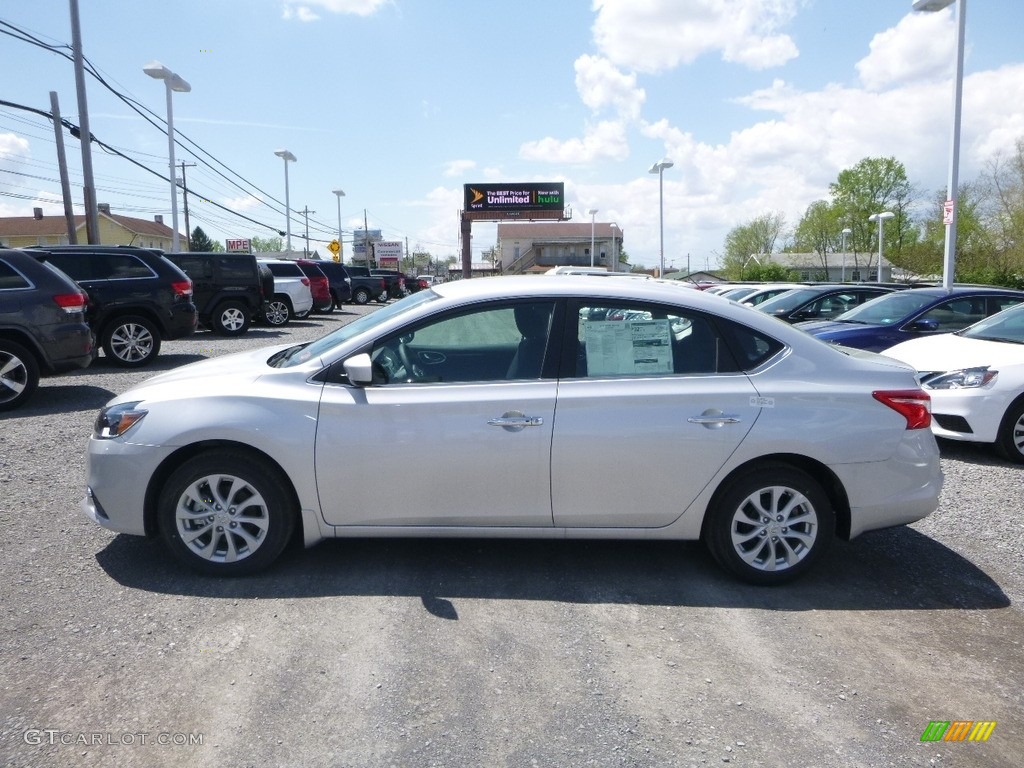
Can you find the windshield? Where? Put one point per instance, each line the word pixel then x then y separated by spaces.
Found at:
pixel 1008 326
pixel 788 301
pixel 889 309
pixel 303 352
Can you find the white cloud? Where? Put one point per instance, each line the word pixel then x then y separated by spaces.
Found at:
pixel 243 203
pixel 920 47
pixel 605 140
pixel 601 86
pixel 459 167
pixel 353 7
pixel 658 35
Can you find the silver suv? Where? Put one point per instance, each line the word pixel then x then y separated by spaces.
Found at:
pixel 292 297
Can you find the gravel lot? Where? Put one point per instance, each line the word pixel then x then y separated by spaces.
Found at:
pixel 491 653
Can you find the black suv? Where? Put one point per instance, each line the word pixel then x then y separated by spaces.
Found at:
pixel 137 297
pixel 340 283
pixel 42 325
pixel 226 287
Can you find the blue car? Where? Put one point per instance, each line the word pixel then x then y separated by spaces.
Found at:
pixel 896 317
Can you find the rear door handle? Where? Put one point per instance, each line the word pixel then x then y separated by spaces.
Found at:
pixel 713 418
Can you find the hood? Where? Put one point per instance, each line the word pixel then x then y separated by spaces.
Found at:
pixel 228 373
pixel 950 352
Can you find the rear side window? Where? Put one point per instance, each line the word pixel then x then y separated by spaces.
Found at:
pixel 116 266
pixel 286 270
pixel 11 278
pixel 195 267
pixel 236 269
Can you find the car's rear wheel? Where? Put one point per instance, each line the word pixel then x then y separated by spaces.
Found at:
pixel 383 298
pixel 1010 441
pixel 131 341
pixel 226 513
pixel 19 375
pixel 278 312
pixel 770 525
pixel 230 319
pixel 361 296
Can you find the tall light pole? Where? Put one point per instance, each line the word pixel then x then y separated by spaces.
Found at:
pixel 288 157
pixel 615 249
pixel 845 233
pixel 880 218
pixel 593 213
pixel 950 209
pixel 340 193
pixel 659 168
pixel 172 82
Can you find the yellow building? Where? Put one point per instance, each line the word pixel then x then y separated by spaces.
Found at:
pixel 25 231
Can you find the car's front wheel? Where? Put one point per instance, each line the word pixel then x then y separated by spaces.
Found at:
pixel 19 375
pixel 770 525
pixel 1010 441
pixel 278 312
pixel 230 319
pixel 361 296
pixel 131 341
pixel 226 513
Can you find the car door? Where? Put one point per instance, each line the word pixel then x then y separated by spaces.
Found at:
pixel 470 437
pixel 655 408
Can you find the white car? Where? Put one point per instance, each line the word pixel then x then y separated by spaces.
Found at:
pixel 292 298
pixel 725 425
pixel 976 380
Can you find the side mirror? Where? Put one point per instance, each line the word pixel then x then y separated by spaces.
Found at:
pixel 927 325
pixel 359 370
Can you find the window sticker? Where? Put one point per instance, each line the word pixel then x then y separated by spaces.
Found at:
pixel 628 347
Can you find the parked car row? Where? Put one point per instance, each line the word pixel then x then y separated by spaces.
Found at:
pixel 59 305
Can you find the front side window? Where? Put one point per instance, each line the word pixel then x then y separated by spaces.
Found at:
pixel 504 342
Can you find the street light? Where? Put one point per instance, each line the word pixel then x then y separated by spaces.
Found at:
pixel 593 213
pixel 949 255
pixel 845 232
pixel 172 82
pixel 659 168
pixel 614 267
pixel 288 157
pixel 340 193
pixel 880 218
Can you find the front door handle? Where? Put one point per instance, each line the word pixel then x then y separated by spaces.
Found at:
pixel 515 421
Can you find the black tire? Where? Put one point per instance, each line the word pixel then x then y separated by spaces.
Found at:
pixel 383 298
pixel 302 315
pixel 19 375
pixel 278 312
pixel 1010 441
pixel 251 513
pixel 770 526
pixel 230 318
pixel 327 310
pixel 361 296
pixel 131 341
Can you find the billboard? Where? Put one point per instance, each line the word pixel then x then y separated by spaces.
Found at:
pixel 387 250
pixel 507 197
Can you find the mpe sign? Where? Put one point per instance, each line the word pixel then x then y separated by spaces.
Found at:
pixel 238 245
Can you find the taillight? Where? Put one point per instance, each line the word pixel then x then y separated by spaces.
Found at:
pixel 305 281
pixel 71 302
pixel 182 288
pixel 915 405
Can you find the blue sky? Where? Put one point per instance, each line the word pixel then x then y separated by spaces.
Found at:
pixel 759 103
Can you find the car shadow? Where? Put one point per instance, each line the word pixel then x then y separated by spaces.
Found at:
pixel 980 454
pixel 897 569
pixel 54 399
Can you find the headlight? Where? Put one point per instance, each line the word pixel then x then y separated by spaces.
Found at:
pixel 115 420
pixel 968 378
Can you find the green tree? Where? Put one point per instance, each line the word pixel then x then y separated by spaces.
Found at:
pixel 747 244
pixel 819 231
pixel 1001 187
pixel 264 244
pixel 201 242
pixel 874 185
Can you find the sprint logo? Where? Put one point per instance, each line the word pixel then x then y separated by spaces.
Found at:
pixel 958 730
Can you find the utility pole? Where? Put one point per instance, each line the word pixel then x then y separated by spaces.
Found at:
pixel 306 212
pixel 62 162
pixel 184 194
pixel 92 217
pixel 366 240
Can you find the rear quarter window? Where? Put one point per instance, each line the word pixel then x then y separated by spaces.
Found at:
pixel 10 278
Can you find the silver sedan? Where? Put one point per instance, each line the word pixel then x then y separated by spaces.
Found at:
pixel 544 407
